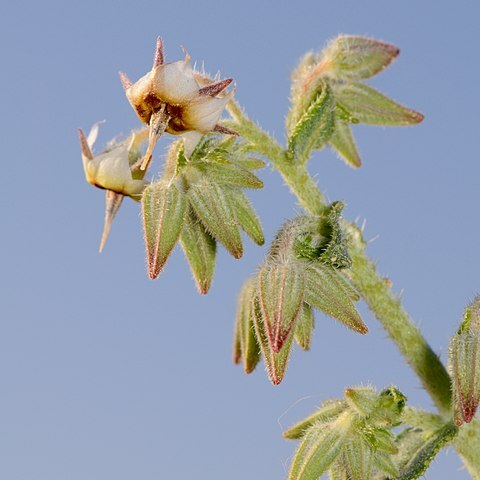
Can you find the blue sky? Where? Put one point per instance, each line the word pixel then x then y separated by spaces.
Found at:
pixel 106 374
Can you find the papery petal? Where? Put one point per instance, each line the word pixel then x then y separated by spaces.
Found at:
pixel 174 82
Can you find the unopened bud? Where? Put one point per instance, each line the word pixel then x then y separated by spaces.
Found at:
pixel 464 365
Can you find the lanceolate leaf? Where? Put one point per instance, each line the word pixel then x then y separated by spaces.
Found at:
pixel 199 248
pixel 212 206
pixel 281 289
pixel 230 174
pixel 369 106
pixel 246 344
pixel 343 143
pixel 355 58
pixel 324 292
pixel 315 127
pixel 246 216
pixel 276 363
pixel 319 449
pixel 417 449
pixel 304 327
pixel 163 211
pixel 328 411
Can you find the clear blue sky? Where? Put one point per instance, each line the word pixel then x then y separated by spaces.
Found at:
pixel 105 374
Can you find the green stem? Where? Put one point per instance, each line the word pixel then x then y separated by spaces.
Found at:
pixel 373 288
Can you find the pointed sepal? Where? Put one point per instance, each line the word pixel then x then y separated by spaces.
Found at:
pixel 369 106
pixel 343 143
pixel 246 216
pixel 163 212
pixel 199 248
pixel 304 327
pixel 113 200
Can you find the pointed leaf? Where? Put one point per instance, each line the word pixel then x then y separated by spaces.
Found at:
pixel 319 449
pixel 230 174
pixel 281 289
pixel 359 459
pixel 200 249
pixel 276 363
pixel 325 292
pixel 327 412
pixel 246 216
pixel 417 449
pixel 246 345
pixel 343 143
pixel 314 128
pixel 369 106
pixel 354 58
pixel 251 163
pixel 304 327
pixel 163 211
pixel 212 207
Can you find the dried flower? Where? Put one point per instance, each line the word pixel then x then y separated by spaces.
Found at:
pixel 114 171
pixel 174 98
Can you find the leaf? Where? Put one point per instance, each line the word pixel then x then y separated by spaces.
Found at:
pixel 281 289
pixel 353 58
pixel 304 327
pixel 230 174
pixel 212 207
pixel 319 449
pixel 417 449
pixel 323 291
pixel 327 412
pixel 245 346
pixel 359 458
pixel 199 248
pixel 369 106
pixel 246 216
pixel 251 163
pixel 343 143
pixel 314 128
pixel 163 212
pixel 276 363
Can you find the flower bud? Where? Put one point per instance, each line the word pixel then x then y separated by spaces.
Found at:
pixel 464 365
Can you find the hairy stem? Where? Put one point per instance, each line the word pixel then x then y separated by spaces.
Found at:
pixel 364 276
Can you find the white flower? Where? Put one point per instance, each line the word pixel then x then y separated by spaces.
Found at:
pixel 174 98
pixel 114 171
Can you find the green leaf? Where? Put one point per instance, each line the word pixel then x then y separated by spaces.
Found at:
pixel 327 412
pixel 230 174
pixel 200 249
pixel 304 327
pixel 319 449
pixel 369 106
pixel 314 128
pixel 384 463
pixel 246 216
pixel 281 289
pixel 325 292
pixel 343 143
pixel 251 163
pixel 246 347
pixel 212 207
pixel 354 58
pixel 276 363
pixel 163 212
pixel 417 449
pixel 359 458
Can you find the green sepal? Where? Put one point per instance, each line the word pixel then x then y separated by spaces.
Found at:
pixel 304 327
pixel 327 412
pixel 281 290
pixel 369 106
pixel 417 449
pixel 276 363
pixel 199 248
pixel 246 216
pixel 324 292
pixel 359 458
pixel 251 163
pixel 343 143
pixel 384 463
pixel 230 174
pixel 319 448
pixel 314 128
pixel 353 57
pixel 212 207
pixel 246 348
pixel 163 213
